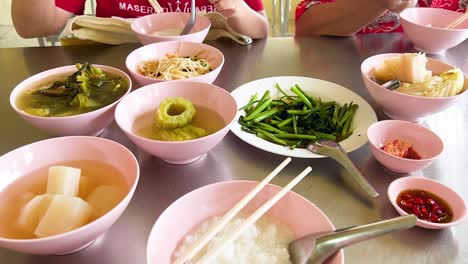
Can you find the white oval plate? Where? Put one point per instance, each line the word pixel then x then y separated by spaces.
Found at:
pixel 327 91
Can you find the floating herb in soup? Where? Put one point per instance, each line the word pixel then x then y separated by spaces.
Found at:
pixel 84 91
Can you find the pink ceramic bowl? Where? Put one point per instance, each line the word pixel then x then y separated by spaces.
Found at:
pixel 425 28
pixel 425 142
pixel 87 124
pixel 146 26
pixel 455 201
pixel 158 50
pixel 137 111
pixel 402 106
pixel 27 159
pixel 190 210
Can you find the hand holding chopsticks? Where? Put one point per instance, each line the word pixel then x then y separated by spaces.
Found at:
pixel 192 252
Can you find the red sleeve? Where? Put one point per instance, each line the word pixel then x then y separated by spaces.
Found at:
pixel 72 6
pixel 305 4
pixel 256 5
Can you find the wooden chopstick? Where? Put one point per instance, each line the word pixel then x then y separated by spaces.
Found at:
pixel 254 217
pixel 192 252
pixel 156 6
pixel 458 21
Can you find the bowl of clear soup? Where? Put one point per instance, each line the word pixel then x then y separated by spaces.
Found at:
pixel 168 26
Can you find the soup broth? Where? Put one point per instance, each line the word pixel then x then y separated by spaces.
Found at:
pixel 167 32
pixel 204 118
pixel 102 91
pixel 21 191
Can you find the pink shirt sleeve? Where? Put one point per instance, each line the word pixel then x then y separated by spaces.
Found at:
pixel 256 5
pixel 305 4
pixel 72 6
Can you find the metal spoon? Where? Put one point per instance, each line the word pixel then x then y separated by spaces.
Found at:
pixel 334 150
pixel 392 85
pixel 191 21
pixel 317 247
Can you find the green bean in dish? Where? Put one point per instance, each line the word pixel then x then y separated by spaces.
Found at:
pixel 296 120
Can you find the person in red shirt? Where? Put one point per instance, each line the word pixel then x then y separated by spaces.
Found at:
pixel 38 18
pixel 348 17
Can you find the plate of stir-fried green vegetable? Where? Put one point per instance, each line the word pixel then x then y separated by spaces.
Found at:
pixel 283 115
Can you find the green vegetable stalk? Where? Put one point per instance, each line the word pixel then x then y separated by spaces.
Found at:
pixel 297 119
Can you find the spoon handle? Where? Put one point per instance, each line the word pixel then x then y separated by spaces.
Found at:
pixel 191 20
pixel 329 244
pixel 348 164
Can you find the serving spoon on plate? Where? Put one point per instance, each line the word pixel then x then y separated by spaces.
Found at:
pixel 317 247
pixel 334 150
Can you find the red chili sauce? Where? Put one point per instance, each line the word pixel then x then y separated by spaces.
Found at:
pixel 425 205
pixel 401 149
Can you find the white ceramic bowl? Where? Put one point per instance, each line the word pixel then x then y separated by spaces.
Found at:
pixel 426 143
pixel 158 50
pixel 142 104
pixel 455 201
pixel 425 28
pixel 42 154
pixel 86 124
pixel 403 106
pixel 145 26
pixel 185 214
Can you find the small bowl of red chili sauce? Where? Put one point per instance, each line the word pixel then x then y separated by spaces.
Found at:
pixel 403 146
pixel 436 205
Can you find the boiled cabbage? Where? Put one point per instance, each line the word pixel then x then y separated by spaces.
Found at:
pixel 449 83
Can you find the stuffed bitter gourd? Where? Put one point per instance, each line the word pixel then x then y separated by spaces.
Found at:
pixel 187 132
pixel 174 112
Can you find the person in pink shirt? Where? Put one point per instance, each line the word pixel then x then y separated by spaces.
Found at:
pixel 348 17
pixel 38 18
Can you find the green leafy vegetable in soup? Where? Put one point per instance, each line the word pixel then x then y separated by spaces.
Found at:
pixel 87 89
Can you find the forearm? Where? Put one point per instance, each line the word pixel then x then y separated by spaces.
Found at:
pixel 340 18
pixel 33 18
pixel 247 21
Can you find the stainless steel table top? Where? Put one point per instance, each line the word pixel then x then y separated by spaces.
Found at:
pixel 334 59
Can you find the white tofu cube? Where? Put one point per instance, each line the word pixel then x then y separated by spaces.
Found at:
pixel 33 211
pixel 87 185
pixel 64 214
pixel 104 198
pixel 63 180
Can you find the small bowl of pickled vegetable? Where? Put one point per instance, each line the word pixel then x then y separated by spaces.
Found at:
pixel 178 122
pixel 71 100
pixel 427 86
pixel 436 205
pixel 403 146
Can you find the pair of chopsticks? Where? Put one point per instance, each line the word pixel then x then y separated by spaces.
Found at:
pixel 156 6
pixel 458 21
pixel 192 252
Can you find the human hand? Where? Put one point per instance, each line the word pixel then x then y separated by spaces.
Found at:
pixel 398 6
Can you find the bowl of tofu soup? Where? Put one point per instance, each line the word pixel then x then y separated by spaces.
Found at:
pixel 178 122
pixel 58 195
pixel 168 26
pixel 74 100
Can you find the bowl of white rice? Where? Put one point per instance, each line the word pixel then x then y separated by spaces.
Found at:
pixel 185 221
